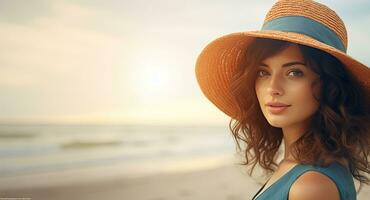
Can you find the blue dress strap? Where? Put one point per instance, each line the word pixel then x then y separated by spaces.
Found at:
pixel 339 174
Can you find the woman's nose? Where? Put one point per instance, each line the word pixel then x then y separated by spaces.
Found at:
pixel 275 86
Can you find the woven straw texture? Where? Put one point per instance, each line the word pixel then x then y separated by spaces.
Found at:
pixel 312 10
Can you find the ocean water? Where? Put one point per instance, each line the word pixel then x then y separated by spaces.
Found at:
pixel 30 149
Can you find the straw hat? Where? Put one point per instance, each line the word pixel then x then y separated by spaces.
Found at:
pixel 304 22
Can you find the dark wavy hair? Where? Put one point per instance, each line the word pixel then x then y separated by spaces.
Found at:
pixel 339 128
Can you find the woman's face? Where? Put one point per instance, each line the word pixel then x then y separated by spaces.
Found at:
pixel 284 78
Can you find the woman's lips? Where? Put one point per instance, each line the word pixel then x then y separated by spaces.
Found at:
pixel 276 109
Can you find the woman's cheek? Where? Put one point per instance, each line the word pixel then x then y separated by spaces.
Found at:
pixel 304 99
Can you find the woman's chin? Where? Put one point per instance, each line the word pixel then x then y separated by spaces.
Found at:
pixel 278 123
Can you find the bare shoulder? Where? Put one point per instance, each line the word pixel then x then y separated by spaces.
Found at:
pixel 313 185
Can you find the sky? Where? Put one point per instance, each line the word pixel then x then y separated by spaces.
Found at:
pixel 120 61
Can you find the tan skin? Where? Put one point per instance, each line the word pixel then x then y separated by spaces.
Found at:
pixel 291 85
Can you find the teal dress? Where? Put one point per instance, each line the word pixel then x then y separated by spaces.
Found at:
pixel 342 177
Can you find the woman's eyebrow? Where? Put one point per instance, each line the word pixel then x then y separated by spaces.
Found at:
pixel 286 64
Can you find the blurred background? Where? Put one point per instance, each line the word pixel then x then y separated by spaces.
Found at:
pixel 99 99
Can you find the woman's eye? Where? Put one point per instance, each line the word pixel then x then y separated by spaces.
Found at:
pixel 296 73
pixel 261 73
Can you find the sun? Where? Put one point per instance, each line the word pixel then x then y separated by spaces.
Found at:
pixel 153 79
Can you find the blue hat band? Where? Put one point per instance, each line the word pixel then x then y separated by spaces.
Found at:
pixel 306 26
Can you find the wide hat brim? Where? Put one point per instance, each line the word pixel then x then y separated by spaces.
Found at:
pixel 218 60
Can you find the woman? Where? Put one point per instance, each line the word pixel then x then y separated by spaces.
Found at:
pixel 293 83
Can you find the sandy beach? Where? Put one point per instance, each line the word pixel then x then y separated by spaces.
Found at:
pixel 225 182
pixel 217 182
